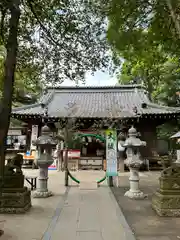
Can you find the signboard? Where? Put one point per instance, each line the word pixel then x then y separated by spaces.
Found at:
pixel 111 152
pixel 178 156
pixel 14 132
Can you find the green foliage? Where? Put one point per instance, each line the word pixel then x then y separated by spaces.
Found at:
pixel 161 78
pixel 74 142
pixel 134 25
pixel 63 38
pixel 169 83
pixel 146 34
pixel 165 131
pixel 27 78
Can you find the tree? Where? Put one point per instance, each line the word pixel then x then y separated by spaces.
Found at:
pixel 9 70
pixel 147 35
pixel 135 25
pixel 144 68
pixel 161 78
pixel 27 81
pixel 168 87
pixel 65 39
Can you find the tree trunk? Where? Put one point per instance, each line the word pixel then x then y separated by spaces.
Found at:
pixel 174 17
pixel 9 70
pixel 149 85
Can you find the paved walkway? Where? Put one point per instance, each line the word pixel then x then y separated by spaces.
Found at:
pixel 73 213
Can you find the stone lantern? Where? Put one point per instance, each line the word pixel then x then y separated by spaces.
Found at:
pixel 45 144
pixel 133 161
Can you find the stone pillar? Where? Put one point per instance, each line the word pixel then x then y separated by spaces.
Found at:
pixel 121 162
pixel 178 157
pixel 42 190
pixel 121 150
pixel 60 146
pixel 134 191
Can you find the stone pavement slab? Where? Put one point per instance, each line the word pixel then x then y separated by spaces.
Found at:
pixel 89 235
pixel 71 213
pixel 95 215
pixel 33 224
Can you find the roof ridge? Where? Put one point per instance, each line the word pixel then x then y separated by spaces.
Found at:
pixel 26 107
pixel 156 105
pixel 99 90
pixel 48 97
pixel 123 86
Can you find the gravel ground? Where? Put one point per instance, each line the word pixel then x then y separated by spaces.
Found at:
pixel 144 222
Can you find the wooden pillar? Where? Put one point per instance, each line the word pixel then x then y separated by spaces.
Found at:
pixel 121 162
pixel 148 134
pixel 28 139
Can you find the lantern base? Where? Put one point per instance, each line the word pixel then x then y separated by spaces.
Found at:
pixel 135 195
pixel 15 200
pixel 38 194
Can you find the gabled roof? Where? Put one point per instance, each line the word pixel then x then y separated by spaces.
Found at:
pixel 123 101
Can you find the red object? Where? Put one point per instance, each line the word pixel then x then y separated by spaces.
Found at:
pixel 73 153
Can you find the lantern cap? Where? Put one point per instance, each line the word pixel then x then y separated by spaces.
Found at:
pixel 133 140
pixel 45 139
pixel 45 130
pixel 132 132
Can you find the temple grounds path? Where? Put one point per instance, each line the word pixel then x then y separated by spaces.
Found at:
pixel 141 218
pixel 73 213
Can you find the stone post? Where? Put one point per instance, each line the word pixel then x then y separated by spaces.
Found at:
pixel 60 140
pixel 44 159
pixel 121 150
pixel 134 162
pixel 177 137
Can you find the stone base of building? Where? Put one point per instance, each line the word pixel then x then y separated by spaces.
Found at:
pixel 15 200
pixel 135 195
pixel 38 194
pixel 166 205
pixel 166 200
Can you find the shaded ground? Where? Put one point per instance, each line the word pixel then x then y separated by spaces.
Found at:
pixel 144 222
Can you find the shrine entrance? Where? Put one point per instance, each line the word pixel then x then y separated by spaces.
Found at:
pixel 93 152
pixel 108 146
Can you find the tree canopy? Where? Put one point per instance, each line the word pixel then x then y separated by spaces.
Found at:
pixel 63 38
pixel 146 35
pixel 27 81
pixel 134 25
pixel 52 39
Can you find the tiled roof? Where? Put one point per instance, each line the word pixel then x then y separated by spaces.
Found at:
pixel 123 101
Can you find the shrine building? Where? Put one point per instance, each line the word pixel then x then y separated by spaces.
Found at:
pixel 95 109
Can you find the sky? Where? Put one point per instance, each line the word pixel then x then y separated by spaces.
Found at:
pixel 99 79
